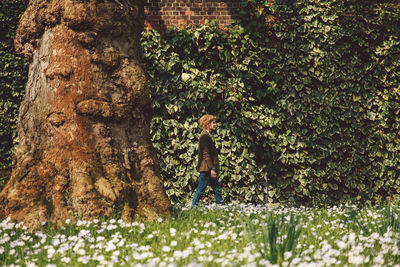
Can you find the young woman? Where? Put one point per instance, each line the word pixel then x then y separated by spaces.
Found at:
pixel 208 163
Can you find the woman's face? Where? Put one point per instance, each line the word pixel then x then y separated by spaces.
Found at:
pixel 213 125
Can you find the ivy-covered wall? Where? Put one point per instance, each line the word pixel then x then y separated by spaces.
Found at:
pixel 13 76
pixel 306 93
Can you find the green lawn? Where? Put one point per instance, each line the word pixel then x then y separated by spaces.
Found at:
pixel 231 235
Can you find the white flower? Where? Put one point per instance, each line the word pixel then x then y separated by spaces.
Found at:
pixel 111 227
pixel 296 261
pixel 375 235
pixel 80 223
pixel 185 254
pixel 66 259
pixel 116 253
pixel 138 256
pixel 178 254
pixel 81 251
pixel 50 252
pixel 352 237
pixel 379 259
pixel 287 255
pixel 100 258
pixel 110 247
pixel 342 245
pixel 172 231
pixel 100 238
pixel 356 259
pixel 55 242
pixel 166 249
pixel 84 259
pixel 174 243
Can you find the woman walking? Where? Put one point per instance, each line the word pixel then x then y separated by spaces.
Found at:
pixel 208 163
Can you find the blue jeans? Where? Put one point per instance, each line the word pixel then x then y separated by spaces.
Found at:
pixel 203 182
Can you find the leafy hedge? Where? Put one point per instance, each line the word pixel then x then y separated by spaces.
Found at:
pixel 307 92
pixel 13 76
pixel 194 72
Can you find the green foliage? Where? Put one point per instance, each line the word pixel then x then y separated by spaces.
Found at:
pixel 390 221
pixel 313 99
pixel 13 75
pixel 192 72
pixel 276 237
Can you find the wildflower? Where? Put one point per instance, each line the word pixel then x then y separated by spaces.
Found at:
pixel 121 243
pixel 99 258
pixel 342 245
pixel 166 249
pixel 352 237
pixel 50 252
pixel 55 242
pixel 172 231
pixel 356 260
pixel 178 254
pixel 84 259
pixel 111 227
pixel 116 253
pixel 185 254
pixel 81 251
pixel 80 223
pixel 66 259
pixel 174 243
pixel 110 247
pixel 295 261
pixel 375 235
pixel 287 255
pixel 138 256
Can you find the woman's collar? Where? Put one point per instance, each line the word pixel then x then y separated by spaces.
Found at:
pixel 207 132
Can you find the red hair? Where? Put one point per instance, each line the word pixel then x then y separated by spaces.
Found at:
pixel 205 120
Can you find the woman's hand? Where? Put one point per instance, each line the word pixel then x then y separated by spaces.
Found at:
pixel 213 174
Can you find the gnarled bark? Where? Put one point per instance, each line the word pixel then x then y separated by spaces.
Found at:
pixel 84 148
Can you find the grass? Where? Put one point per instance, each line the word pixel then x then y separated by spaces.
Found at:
pixel 231 235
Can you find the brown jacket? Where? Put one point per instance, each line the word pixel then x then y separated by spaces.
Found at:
pixel 208 154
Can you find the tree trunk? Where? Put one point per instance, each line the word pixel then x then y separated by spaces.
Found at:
pixel 84 125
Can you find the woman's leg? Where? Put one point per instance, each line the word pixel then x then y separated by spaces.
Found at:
pixel 217 190
pixel 203 181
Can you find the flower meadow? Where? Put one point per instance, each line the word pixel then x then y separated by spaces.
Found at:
pixel 210 235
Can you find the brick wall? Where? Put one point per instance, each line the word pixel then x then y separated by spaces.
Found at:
pixel 182 13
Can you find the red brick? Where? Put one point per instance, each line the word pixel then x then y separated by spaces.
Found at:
pixel 195 17
pixel 191 12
